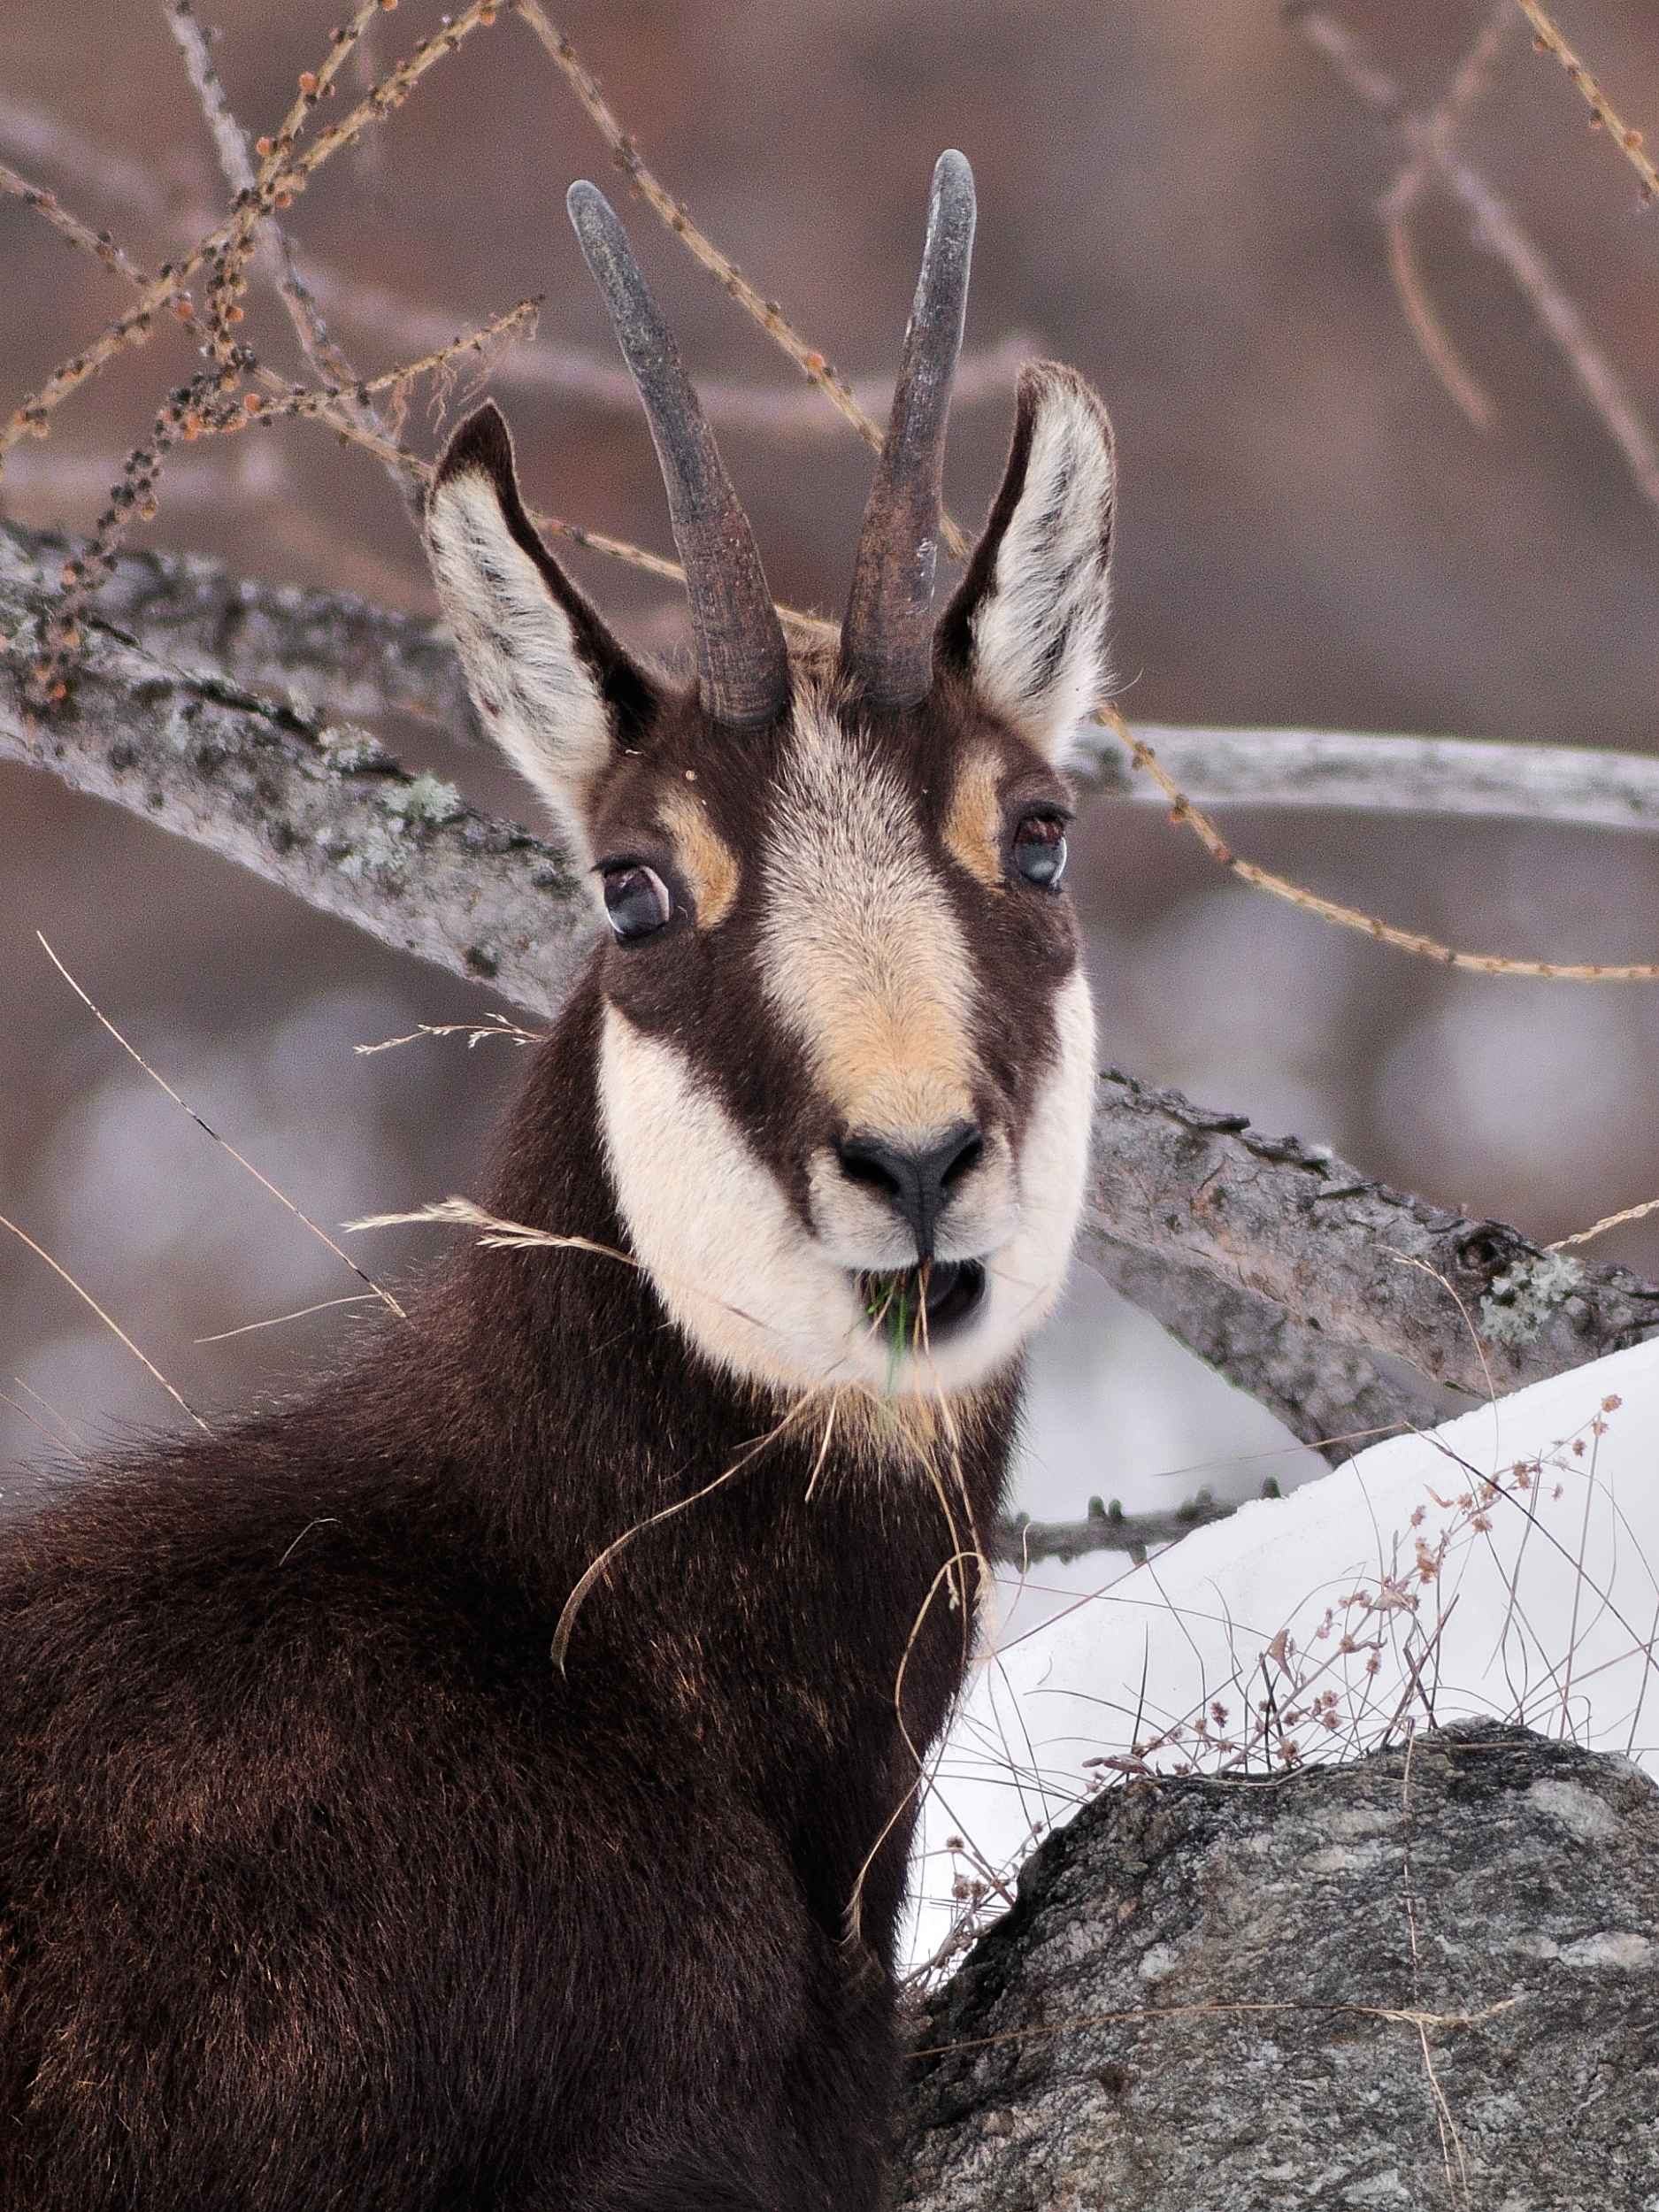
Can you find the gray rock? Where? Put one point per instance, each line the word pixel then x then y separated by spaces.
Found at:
pixel 1428 1980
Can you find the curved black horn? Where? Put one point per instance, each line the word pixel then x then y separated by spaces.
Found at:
pixel 742 662
pixel 886 640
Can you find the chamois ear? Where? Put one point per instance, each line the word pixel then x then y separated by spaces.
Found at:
pixel 1028 623
pixel 555 689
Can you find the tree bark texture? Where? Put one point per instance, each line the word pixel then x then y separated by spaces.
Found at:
pixel 1346 1307
pixel 1361 774
pixel 162 720
pixel 1430 1979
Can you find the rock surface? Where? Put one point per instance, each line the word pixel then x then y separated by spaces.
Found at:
pixel 1429 1980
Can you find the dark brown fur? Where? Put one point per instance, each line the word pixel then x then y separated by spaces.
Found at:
pixel 323 1886
pixel 320 1885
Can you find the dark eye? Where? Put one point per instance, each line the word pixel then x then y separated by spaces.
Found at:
pixel 1040 850
pixel 636 902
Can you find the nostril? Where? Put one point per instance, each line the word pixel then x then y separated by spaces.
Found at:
pixel 864 1162
pixel 970 1151
pixel 916 1182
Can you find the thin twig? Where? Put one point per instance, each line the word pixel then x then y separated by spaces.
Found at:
pixel 1434 341
pixel 1431 140
pixel 1496 228
pixel 1182 809
pixel 1603 114
pixel 235 160
pixel 285 172
pixel 767 314
pixel 70 228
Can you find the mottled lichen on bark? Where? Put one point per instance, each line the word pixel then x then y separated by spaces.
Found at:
pixel 1231 1993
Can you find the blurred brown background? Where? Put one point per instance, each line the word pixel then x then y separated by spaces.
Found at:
pixel 1178 196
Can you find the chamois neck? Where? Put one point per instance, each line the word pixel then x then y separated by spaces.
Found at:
pixel 576 1402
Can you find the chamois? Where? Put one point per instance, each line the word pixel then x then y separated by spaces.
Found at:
pixel 361 1847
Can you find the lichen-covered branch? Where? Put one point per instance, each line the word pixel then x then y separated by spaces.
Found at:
pixel 1181 1198
pixel 1391 1983
pixel 1345 1307
pixel 314 650
pixel 321 809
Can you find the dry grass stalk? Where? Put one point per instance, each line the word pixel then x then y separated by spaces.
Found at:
pixel 34 1421
pixel 1456 2164
pixel 280 1320
pixel 133 1054
pixel 1603 114
pixel 1608 1221
pixel 564 1626
pixel 1182 809
pixel 475 1033
pixel 114 1327
pixel 1397 2015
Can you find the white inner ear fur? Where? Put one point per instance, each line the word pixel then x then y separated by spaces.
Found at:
pixel 538 698
pixel 1039 632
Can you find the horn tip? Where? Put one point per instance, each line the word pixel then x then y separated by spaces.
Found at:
pixel 589 210
pixel 953 174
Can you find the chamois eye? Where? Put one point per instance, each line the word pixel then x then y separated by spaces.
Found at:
pixel 636 902
pixel 1040 850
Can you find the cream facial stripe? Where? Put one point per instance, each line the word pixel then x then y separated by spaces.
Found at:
pixel 861 953
pixel 765 1300
pixel 973 827
pixel 709 864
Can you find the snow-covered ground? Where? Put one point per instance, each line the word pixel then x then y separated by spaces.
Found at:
pixel 1506 1564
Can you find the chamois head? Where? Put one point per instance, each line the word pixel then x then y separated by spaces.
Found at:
pixel 846 1068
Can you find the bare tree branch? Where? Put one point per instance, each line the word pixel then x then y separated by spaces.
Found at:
pixel 1474 778
pixel 1024 1542
pixel 1333 1395
pixel 323 811
pixel 1347 1308
pixel 336 654
pixel 1471 1304
pixel 312 650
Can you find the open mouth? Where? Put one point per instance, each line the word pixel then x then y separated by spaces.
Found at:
pixel 923 1305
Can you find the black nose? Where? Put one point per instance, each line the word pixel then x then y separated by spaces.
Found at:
pixel 917 1183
